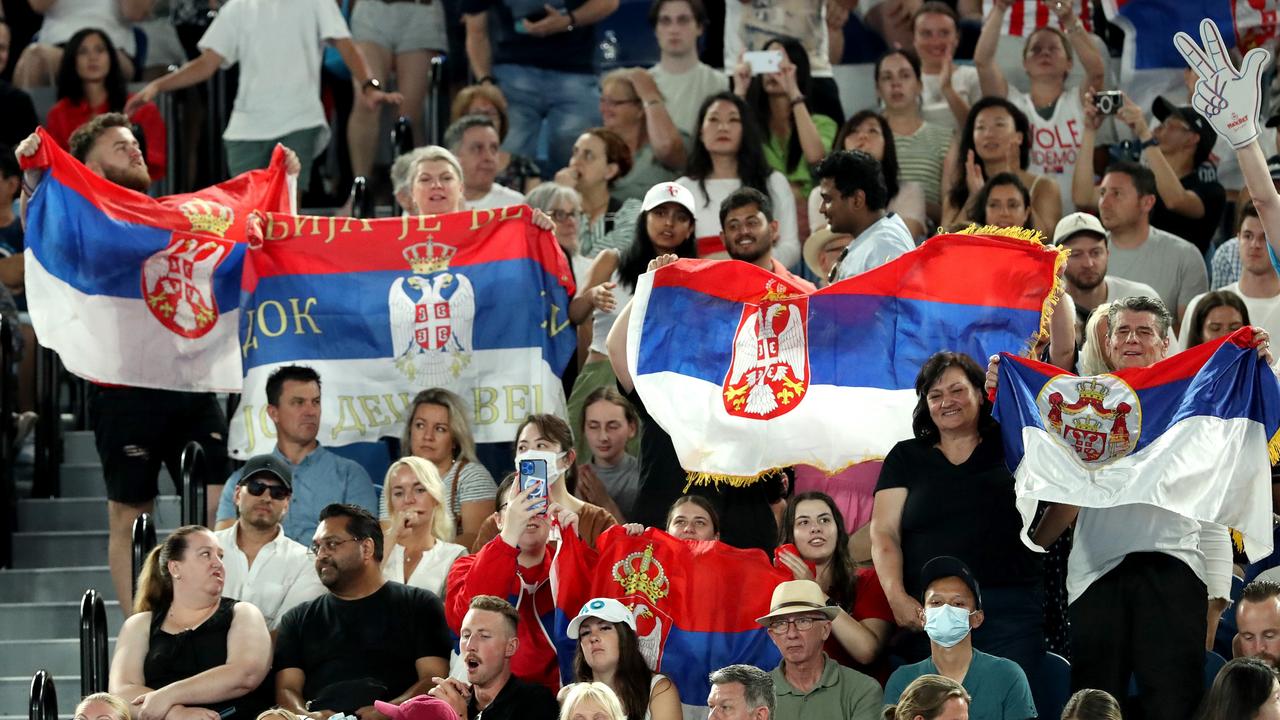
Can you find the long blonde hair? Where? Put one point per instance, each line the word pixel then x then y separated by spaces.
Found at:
pixel 926 697
pixel 425 472
pixel 118 706
pixel 155 584
pixel 1093 353
pixel 598 692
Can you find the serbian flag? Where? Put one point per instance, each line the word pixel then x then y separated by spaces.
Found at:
pixel 1194 434
pixel 476 302
pixel 1026 16
pixel 695 602
pixel 748 374
pixel 140 291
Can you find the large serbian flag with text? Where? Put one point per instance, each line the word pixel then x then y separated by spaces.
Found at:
pixel 141 291
pixel 748 374
pixel 476 302
pixel 695 602
pixel 1194 434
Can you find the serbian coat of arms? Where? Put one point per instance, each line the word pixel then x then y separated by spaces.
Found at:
pixel 177 282
pixel 1098 418
pixel 769 373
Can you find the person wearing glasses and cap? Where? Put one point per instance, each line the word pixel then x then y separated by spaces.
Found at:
pixel 952 611
pixel 263 566
pixel 807 682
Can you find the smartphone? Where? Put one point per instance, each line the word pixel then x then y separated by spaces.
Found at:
pixel 533 474
pixel 1108 102
pixel 763 62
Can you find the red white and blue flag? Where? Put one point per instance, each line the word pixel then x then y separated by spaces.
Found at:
pixel 140 291
pixel 748 374
pixel 1194 434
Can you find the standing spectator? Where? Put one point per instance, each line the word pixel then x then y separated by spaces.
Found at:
pixel 853 200
pixel 473 139
pixel 262 565
pixel 12 238
pixel 543 59
pixel 741 692
pixel 682 78
pixel 366 639
pixel 930 697
pixel 435 181
pixel 1244 688
pixel 278 98
pixel 948 89
pixel 921 145
pixel 489 641
pixel 632 106
pixel 186 646
pixel 728 154
pixel 751 24
pixel 19 117
pixel 608 652
pixel 90 83
pixel 691 517
pixel 319 476
pixel 610 424
pixel 1086 278
pixel 518 172
pixel 39 62
pixel 1258 286
pixel 439 432
pixel 1003 202
pixel 418 529
pixel 749 231
pixel 600 158
pixel 1057 113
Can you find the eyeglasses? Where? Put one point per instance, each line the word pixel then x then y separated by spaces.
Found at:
pixel 328 546
pixel 257 487
pixel 562 215
pixel 779 627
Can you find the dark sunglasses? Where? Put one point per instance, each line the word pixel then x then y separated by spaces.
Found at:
pixel 257 487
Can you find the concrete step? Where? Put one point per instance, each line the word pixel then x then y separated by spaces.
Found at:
pixel 60 657
pixel 15 694
pixel 78 447
pixel 83 480
pixel 33 621
pixel 58 585
pixel 72 548
pixel 77 513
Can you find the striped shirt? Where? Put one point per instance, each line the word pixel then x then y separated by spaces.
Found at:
pixel 920 157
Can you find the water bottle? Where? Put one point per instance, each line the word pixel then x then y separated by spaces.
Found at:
pixel 609 49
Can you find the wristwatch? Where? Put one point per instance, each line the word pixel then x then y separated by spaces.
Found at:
pixel 371 83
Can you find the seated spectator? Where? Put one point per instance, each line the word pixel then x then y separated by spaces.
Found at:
pixel 1244 688
pixel 948 490
pixel 417 528
pixel 920 146
pixel 19 117
pixel 101 706
pixel 682 78
pixel 741 692
pixel 1003 202
pixel 186 645
pixel 870 132
pixel 948 89
pixel 930 697
pixel 1212 315
pixel 319 477
pixel 420 707
pixel 862 621
pixel 39 62
pixel 795 139
pixel 1094 359
pixel 593 701
pixel 1224 265
pixel 1092 705
pixel 749 231
pixel 608 652
pixel 808 680
pixel 1087 280
pixel 473 139
pixel 823 250
pixel 632 106
pixel 489 641
pixel 1258 287
pixel 91 83
pixel 261 563
pixel 1258 623
pixel 691 517
pixel 438 430
pixel 609 425
pixel 1056 111
pixel 564 205
pixel 854 199
pixel 952 609
pixel 600 157
pixel 517 172
pixel 728 153
pixel 12 265
pixel 996 139
pixel 402 182
pixel 366 639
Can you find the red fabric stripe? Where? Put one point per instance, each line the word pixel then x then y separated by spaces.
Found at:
pixel 710 245
pixel 1042 14
pixel 1016 18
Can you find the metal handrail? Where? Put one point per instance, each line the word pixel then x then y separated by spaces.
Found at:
pixel 47 482
pixel 43 703
pixel 93 643
pixel 360 204
pixel 192 488
pixel 144 539
pixel 8 491
pixel 402 136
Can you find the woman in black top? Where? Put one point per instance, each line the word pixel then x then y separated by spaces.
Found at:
pixel 947 491
pixel 187 653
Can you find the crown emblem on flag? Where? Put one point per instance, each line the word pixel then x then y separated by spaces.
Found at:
pixel 636 574
pixel 1086 424
pixel 429 257
pixel 208 217
pixel 1093 390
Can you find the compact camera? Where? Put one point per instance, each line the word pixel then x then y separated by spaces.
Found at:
pixel 1108 101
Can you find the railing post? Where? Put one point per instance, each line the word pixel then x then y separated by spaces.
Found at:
pixel 360 198
pixel 93 643
pixel 43 699
pixel 434 109
pixel 144 538
pixel 193 512
pixel 48 427
pixel 8 452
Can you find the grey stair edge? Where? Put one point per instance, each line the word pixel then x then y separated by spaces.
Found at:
pixel 38 534
pixel 60 569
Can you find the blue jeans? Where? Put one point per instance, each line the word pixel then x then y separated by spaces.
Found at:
pixel 568 103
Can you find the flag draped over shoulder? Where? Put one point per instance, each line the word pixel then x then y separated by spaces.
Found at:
pixel 696 602
pixel 141 291
pixel 747 374
pixel 476 302
pixel 1194 434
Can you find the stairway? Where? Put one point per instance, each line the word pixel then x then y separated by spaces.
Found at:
pixel 60 550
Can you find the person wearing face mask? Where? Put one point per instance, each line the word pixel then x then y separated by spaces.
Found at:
pixel 952 610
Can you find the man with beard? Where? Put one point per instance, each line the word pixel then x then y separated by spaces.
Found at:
pixel 263 566
pixel 749 232
pixel 366 639
pixel 1088 283
pixel 1258 622
pixel 487 643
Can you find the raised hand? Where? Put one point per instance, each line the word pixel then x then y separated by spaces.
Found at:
pixel 1229 99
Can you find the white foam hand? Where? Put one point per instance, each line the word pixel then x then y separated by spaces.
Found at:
pixel 1229 99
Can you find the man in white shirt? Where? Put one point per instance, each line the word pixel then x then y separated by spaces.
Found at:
pixel 854 199
pixel 474 140
pixel 1087 280
pixel 684 80
pixel 262 565
pixel 1258 286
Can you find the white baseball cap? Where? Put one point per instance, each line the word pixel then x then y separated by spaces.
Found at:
pixel 603 609
pixel 668 192
pixel 1077 222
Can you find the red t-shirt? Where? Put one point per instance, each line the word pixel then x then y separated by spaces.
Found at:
pixel 869 602
pixel 65 116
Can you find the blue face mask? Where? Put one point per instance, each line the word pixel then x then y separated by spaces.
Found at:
pixel 946 625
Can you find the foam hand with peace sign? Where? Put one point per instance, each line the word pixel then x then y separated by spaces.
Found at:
pixel 1229 99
